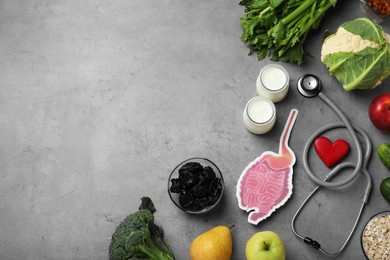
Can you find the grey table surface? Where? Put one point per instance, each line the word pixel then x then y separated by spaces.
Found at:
pixel 101 99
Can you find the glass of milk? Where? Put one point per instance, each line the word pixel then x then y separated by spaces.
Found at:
pixel 273 82
pixel 259 115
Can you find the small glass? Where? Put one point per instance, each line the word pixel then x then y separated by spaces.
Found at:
pixel 373 14
pixel 259 115
pixel 273 82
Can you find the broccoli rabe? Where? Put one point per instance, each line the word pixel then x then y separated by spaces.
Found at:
pixel 137 237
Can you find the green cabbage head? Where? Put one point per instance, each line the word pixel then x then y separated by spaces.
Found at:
pixel 358 55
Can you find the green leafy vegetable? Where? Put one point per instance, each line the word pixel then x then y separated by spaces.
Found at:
pixel 278 28
pixel 358 55
pixel 137 237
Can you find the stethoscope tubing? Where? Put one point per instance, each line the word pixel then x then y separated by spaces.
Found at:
pixel 367 191
pixel 320 131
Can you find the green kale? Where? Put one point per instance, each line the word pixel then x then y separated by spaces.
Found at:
pixel 137 237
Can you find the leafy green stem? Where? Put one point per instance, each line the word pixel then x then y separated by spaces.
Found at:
pixel 317 15
pixel 251 11
pixel 296 12
pixel 262 13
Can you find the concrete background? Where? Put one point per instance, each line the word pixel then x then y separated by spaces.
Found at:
pixel 101 99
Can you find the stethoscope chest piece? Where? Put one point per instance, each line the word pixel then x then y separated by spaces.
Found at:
pixel 309 85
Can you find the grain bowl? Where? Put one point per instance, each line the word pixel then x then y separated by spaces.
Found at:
pixel 375 238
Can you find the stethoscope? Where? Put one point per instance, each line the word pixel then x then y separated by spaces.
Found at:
pixel 310 86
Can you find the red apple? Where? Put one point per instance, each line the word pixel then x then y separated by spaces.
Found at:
pixel 379 112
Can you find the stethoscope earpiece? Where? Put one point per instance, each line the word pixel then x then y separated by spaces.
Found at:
pixel 309 85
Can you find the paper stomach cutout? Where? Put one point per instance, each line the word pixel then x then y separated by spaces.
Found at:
pixel 266 183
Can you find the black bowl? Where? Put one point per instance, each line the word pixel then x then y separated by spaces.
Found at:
pixel 180 192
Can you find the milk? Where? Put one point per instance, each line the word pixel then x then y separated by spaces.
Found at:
pixel 259 115
pixel 273 82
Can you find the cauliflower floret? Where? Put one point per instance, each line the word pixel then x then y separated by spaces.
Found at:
pixel 387 37
pixel 345 41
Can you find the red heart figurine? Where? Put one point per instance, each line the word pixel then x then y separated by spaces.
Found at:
pixel 331 153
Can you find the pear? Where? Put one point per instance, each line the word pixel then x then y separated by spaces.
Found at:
pixel 215 244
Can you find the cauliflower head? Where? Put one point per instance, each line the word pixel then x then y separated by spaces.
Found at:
pixel 358 54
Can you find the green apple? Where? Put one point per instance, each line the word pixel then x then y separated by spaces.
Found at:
pixel 265 245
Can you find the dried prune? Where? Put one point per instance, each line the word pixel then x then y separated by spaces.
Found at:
pixel 186 200
pixel 208 173
pixel 194 167
pixel 200 191
pixel 214 198
pixel 176 186
pixel 188 178
pixel 213 188
pixel 201 203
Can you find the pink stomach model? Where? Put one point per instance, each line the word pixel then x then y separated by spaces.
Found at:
pixel 266 183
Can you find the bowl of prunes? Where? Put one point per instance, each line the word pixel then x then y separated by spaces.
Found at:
pixel 196 185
